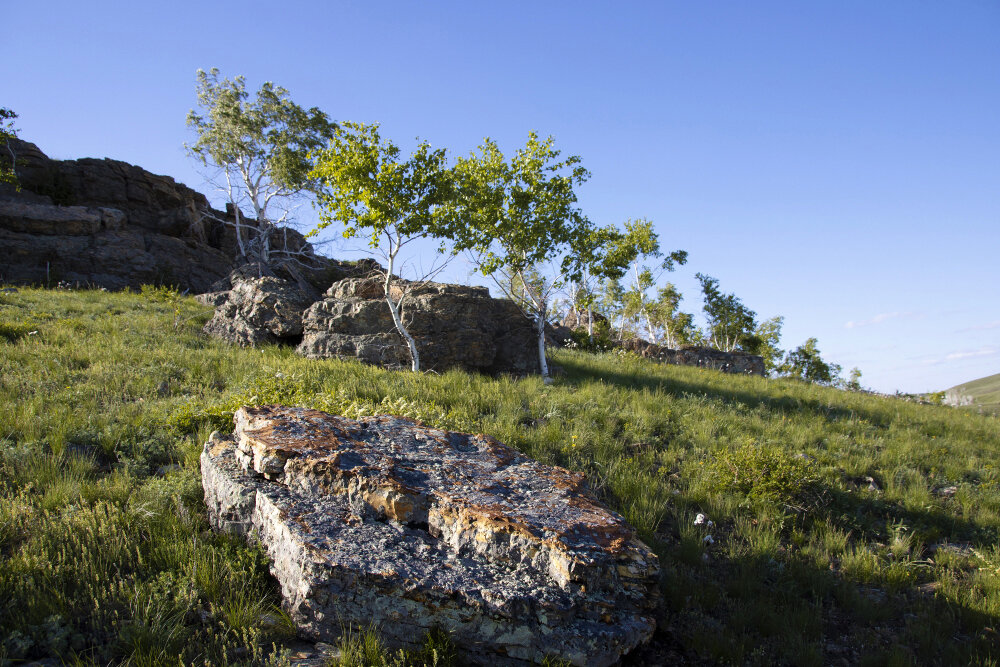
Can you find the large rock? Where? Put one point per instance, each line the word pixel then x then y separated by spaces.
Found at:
pixel 703 357
pixel 384 520
pixel 111 224
pixel 455 326
pixel 258 310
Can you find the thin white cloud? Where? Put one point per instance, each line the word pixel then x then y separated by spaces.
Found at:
pixel 981 327
pixel 967 354
pixel 959 355
pixel 881 317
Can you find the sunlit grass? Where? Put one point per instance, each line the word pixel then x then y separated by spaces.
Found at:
pixel 829 524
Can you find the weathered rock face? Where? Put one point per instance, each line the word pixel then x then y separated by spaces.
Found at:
pixel 258 310
pixel 454 326
pixel 115 225
pixel 384 520
pixel 574 320
pixel 704 357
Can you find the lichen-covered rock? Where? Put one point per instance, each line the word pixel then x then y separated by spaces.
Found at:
pixel 384 520
pixel 455 326
pixel 259 310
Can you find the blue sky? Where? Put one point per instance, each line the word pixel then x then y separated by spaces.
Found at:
pixel 837 163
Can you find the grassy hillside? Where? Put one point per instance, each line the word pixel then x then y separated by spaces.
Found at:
pixel 985 393
pixel 846 527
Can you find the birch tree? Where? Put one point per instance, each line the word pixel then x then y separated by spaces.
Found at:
pixel 677 328
pixel 389 202
pixel 639 245
pixel 730 323
pixel 260 148
pixel 601 256
pixel 521 223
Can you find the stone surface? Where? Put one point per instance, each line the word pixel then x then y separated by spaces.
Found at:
pixel 455 326
pixel 385 520
pixel 258 310
pixel 111 224
pixel 574 320
pixel 703 357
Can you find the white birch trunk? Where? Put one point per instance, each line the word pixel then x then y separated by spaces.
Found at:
pixel 540 330
pixel 394 308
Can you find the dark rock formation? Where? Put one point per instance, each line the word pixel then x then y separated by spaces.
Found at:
pixel 454 326
pixel 111 224
pixel 703 357
pixel 384 520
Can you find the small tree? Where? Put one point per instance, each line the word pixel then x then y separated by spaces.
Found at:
pixel 602 256
pixel 388 201
pixel 8 173
pixel 261 149
pixel 640 244
pixel 764 341
pixel 730 323
pixel 677 328
pixel 805 363
pixel 521 220
pixel 612 300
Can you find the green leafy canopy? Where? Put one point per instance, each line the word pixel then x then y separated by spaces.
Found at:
pixel 269 134
pixel 366 186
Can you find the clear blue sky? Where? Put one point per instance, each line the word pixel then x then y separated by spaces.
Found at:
pixel 834 162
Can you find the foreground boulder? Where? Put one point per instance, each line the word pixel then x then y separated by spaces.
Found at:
pixel 384 520
pixel 455 326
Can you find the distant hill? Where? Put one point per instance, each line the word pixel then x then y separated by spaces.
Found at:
pixel 983 393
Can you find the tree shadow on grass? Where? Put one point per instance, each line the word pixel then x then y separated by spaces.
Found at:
pixel 577 371
pixel 867 514
pixel 785 608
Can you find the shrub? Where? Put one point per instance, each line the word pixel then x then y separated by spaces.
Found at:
pixel 13 329
pixel 759 472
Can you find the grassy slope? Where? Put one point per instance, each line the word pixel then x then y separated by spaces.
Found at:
pixel 831 540
pixel 985 392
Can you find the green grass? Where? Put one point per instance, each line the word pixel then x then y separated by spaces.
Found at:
pixel 831 538
pixel 985 393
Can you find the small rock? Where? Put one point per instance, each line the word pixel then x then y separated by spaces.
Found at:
pixel 700 519
pixel 165 470
pixel 708 539
pixel 947 492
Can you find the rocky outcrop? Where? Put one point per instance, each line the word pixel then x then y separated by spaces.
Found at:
pixel 384 520
pixel 115 225
pixel 259 310
pixel 455 327
pixel 703 357
pixel 579 320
